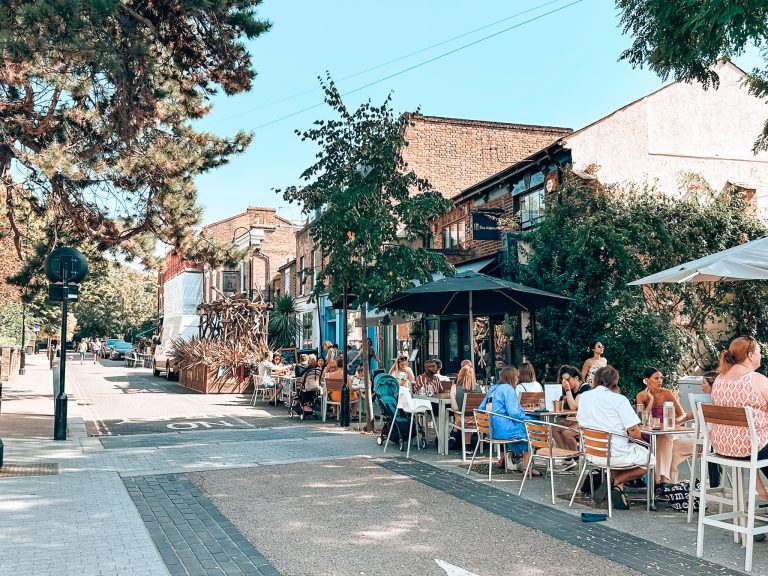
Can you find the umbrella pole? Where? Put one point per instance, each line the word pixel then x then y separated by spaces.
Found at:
pixel 471 333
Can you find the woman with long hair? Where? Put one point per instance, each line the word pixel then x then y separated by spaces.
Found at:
pixel 465 382
pixel 595 361
pixel 737 384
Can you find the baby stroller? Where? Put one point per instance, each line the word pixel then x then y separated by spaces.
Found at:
pixel 385 393
pixel 305 393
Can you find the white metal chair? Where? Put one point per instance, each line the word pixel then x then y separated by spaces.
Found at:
pixel 721 494
pixel 464 419
pixel 484 424
pixel 542 446
pixel 740 417
pixel 258 388
pixel 597 444
pixel 413 406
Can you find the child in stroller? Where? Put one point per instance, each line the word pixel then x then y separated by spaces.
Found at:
pixel 305 393
pixel 385 391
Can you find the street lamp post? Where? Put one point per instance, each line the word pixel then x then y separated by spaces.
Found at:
pixel 23 357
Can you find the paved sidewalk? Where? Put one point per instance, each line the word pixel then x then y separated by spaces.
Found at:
pixel 115 505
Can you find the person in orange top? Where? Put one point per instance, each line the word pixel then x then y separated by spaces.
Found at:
pixel 671 449
pixel 737 384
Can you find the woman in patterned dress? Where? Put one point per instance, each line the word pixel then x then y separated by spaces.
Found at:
pixel 739 385
pixel 594 362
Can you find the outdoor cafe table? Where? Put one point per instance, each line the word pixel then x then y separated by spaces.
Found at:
pixel 288 384
pixel 443 400
pixel 549 415
pixel 654 433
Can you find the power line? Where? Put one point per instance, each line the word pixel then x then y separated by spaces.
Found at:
pixel 420 64
pixel 393 61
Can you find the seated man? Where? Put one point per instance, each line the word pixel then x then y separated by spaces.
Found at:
pixel 428 382
pixel 604 408
pixel 302 366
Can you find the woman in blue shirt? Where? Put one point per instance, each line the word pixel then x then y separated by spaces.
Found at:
pixel 502 399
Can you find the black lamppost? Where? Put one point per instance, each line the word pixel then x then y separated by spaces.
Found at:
pixel 250 258
pixel 63 267
pixel 23 357
pixel 344 411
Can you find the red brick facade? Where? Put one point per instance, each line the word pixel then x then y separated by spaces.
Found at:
pixel 453 154
pixel 276 248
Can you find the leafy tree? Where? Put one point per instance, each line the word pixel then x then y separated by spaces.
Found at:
pixel 284 322
pixel 116 302
pixel 371 207
pixel 685 40
pixel 96 103
pixel 594 241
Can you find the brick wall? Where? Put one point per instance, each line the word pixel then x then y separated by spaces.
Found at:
pixel 9 362
pixel 278 243
pixel 304 247
pixel 454 154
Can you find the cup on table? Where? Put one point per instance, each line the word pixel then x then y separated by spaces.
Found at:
pixel 557 406
pixel 655 422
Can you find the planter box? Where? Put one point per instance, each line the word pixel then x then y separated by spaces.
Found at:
pixel 204 379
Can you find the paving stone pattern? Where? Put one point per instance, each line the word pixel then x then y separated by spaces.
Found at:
pixel 636 553
pixel 205 437
pixel 191 535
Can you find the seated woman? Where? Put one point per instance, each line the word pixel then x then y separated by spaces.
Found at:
pixel 501 401
pixel 671 449
pixel 465 382
pixel 268 370
pixel 528 382
pixel 335 396
pixel 570 379
pixel 737 384
pixel 356 387
pixel 402 372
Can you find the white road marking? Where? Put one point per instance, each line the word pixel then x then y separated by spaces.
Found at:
pixel 452 570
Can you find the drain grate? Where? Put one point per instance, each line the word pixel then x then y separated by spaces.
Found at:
pixel 11 470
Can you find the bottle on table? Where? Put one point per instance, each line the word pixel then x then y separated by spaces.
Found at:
pixel 669 416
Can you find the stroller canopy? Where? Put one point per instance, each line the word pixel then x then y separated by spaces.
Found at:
pixel 386 386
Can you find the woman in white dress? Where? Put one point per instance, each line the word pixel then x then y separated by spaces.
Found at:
pixel 402 372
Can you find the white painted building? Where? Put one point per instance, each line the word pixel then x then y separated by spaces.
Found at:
pixel 680 129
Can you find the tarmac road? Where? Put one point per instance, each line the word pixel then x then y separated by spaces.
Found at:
pixel 352 517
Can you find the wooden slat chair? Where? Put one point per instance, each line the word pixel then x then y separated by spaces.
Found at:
pixel 483 421
pixel 721 494
pixel 740 417
pixel 531 398
pixel 464 419
pixel 542 446
pixel 597 444
pixel 335 385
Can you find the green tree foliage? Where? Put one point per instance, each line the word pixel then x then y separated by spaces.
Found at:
pixel 10 324
pixel 685 39
pixel 594 241
pixel 372 208
pixel 115 301
pixel 96 103
pixel 284 322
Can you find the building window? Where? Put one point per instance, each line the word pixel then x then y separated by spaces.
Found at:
pixel 314 268
pixel 532 208
pixel 433 342
pixel 302 277
pixel 306 329
pixel 453 235
pixel 287 282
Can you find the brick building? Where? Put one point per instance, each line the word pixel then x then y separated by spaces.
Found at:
pixel 272 244
pixel 452 154
pixel 677 130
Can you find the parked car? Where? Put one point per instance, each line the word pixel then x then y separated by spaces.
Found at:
pixel 106 347
pixel 162 363
pixel 119 349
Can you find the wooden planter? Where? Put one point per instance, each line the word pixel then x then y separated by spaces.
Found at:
pixel 204 379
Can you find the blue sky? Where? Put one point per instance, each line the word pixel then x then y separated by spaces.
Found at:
pixel 561 70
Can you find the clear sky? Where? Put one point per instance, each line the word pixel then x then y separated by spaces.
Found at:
pixel 561 69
